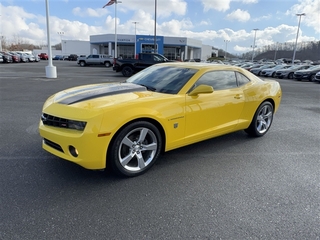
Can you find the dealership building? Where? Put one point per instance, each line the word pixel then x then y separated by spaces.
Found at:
pixel 174 48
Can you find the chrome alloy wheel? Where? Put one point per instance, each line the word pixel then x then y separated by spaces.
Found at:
pixel 137 149
pixel 264 119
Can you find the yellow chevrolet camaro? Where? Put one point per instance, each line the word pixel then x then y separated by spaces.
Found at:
pixel 166 106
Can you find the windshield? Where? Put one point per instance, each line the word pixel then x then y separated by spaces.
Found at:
pixel 280 66
pixel 314 68
pixel 164 79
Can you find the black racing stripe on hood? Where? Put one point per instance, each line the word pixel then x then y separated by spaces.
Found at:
pixel 107 90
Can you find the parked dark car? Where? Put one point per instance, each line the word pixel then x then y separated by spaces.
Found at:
pixel 57 57
pixel 308 74
pixel 130 66
pixel 15 57
pixel 7 58
pixel 73 57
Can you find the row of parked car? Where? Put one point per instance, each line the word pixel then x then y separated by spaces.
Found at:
pixel 270 69
pixel 71 57
pixel 16 57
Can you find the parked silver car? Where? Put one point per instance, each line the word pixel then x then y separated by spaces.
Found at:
pixel 271 72
pixel 31 57
pixel 288 73
pixel 23 58
pixel 257 71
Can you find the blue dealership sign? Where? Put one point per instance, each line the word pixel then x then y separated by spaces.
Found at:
pixel 145 44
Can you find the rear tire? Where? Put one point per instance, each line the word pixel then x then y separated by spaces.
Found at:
pixel 107 64
pixel 135 149
pixel 127 71
pixel 261 121
pixel 290 76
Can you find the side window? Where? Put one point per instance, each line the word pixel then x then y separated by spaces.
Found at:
pixel 219 80
pixel 146 57
pixel 241 79
pixel 95 56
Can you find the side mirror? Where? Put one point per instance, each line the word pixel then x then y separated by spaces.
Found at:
pixel 201 89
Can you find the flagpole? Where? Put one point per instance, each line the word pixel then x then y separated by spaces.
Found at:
pixel 115 30
pixel 155 26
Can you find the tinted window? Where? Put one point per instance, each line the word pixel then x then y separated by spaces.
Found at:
pixel 219 80
pixel 164 79
pixel 146 57
pixel 241 79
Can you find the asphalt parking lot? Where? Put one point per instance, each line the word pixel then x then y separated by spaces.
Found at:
pixel 231 187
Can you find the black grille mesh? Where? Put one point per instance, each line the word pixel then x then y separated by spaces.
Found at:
pixel 54 121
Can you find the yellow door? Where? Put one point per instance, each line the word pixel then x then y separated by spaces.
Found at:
pixel 211 114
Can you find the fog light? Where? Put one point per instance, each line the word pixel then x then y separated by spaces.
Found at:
pixel 73 151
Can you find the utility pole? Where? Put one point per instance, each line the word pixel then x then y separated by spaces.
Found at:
pixel 295 46
pixel 225 52
pixel 254 42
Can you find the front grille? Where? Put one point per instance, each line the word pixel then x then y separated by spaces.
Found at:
pixel 54 121
pixel 298 75
pixel 53 145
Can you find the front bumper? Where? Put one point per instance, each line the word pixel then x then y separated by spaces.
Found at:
pixel 92 149
pixel 317 78
pixel 301 76
pixel 282 75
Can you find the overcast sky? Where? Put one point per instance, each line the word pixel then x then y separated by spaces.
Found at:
pixel 211 21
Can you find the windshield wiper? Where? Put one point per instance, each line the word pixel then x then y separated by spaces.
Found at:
pixel 148 87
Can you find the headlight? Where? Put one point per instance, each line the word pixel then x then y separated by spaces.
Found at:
pixel 76 125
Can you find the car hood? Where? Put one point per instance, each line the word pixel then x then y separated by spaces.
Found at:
pixel 93 92
pixel 269 69
pixel 87 101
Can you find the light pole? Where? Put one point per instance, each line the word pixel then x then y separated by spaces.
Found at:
pixel 254 42
pixel 51 71
pixel 275 51
pixel 135 39
pixel 115 24
pixel 155 26
pixel 295 46
pixel 225 52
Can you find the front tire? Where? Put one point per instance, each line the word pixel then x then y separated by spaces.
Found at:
pixel 290 76
pixel 82 64
pixel 135 149
pixel 312 78
pixel 127 71
pixel 261 121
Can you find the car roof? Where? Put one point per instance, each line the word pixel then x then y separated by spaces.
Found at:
pixel 201 65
